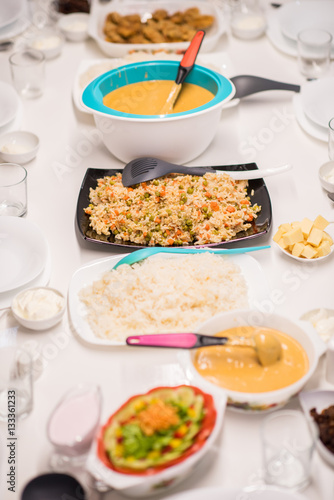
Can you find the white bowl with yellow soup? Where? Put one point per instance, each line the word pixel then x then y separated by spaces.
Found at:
pixel 237 371
pixel 127 105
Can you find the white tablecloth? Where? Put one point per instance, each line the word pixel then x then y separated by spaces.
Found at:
pixel 262 128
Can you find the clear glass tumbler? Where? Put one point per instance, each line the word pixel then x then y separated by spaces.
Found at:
pixel 314 49
pixel 16 384
pixel 288 442
pixel 331 139
pixel 13 189
pixel 28 72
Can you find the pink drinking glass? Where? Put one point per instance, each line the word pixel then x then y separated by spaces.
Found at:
pixel 73 424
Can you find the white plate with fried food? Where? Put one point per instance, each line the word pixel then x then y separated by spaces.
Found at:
pixel 121 28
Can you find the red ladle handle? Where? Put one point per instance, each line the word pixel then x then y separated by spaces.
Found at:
pixel 189 58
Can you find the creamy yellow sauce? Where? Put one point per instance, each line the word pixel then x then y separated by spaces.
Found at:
pixel 149 97
pixel 238 368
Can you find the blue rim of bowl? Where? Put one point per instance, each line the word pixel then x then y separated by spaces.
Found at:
pixel 92 95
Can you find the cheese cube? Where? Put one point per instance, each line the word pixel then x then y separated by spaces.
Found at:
pixel 285 227
pixel 278 235
pixel 315 236
pixel 320 223
pixel 326 237
pixel 293 236
pixel 309 252
pixel 296 224
pixel 306 225
pixel 280 242
pixel 297 249
pixel 324 249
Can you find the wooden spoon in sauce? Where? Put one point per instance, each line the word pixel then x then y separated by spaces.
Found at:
pixel 186 65
pixel 267 347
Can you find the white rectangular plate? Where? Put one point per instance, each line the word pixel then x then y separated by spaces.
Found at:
pixel 252 271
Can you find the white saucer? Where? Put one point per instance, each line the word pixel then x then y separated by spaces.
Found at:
pixel 18 26
pixel 42 279
pixel 318 100
pixel 23 252
pixel 305 123
pixel 297 16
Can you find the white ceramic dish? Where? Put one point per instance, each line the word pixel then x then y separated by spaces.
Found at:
pixel 48 41
pixel 18 26
pixel 297 16
pixel 248 25
pixel 10 12
pixel 23 252
pixel 322 320
pixel 42 279
pixel 324 171
pixel 250 268
pixel 320 400
pixel 305 123
pixel 302 331
pixel 74 26
pixel 41 324
pixel 302 259
pixel 145 486
pixel 27 145
pixel 9 103
pixel 100 10
pixel 89 69
pixel 261 492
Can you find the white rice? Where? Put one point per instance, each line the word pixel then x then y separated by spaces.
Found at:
pixel 163 295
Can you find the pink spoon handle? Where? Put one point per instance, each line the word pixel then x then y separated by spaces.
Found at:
pixel 180 340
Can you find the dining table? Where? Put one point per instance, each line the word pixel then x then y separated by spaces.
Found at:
pixel 261 128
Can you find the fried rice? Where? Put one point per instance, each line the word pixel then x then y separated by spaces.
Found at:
pixel 174 210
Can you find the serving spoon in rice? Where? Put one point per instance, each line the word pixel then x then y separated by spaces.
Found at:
pixel 144 253
pixel 148 168
pixel 267 347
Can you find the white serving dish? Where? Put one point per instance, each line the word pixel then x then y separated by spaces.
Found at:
pixel 48 41
pixel 23 252
pixel 261 492
pixel 74 26
pixel 145 486
pixel 302 331
pixel 251 270
pixel 100 10
pixel 320 400
pixel 27 142
pixel 177 138
pixel 324 170
pixel 41 324
pixel 248 24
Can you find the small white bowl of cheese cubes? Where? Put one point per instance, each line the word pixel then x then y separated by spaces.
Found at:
pixel 306 240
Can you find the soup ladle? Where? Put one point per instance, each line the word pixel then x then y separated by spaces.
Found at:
pixel 185 66
pixel 267 347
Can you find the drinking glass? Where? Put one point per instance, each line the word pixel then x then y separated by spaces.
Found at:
pixel 331 139
pixel 16 387
pixel 27 69
pixel 288 443
pixel 314 49
pixel 72 426
pixel 13 189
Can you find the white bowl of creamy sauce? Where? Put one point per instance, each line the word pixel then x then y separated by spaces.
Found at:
pixel 39 308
